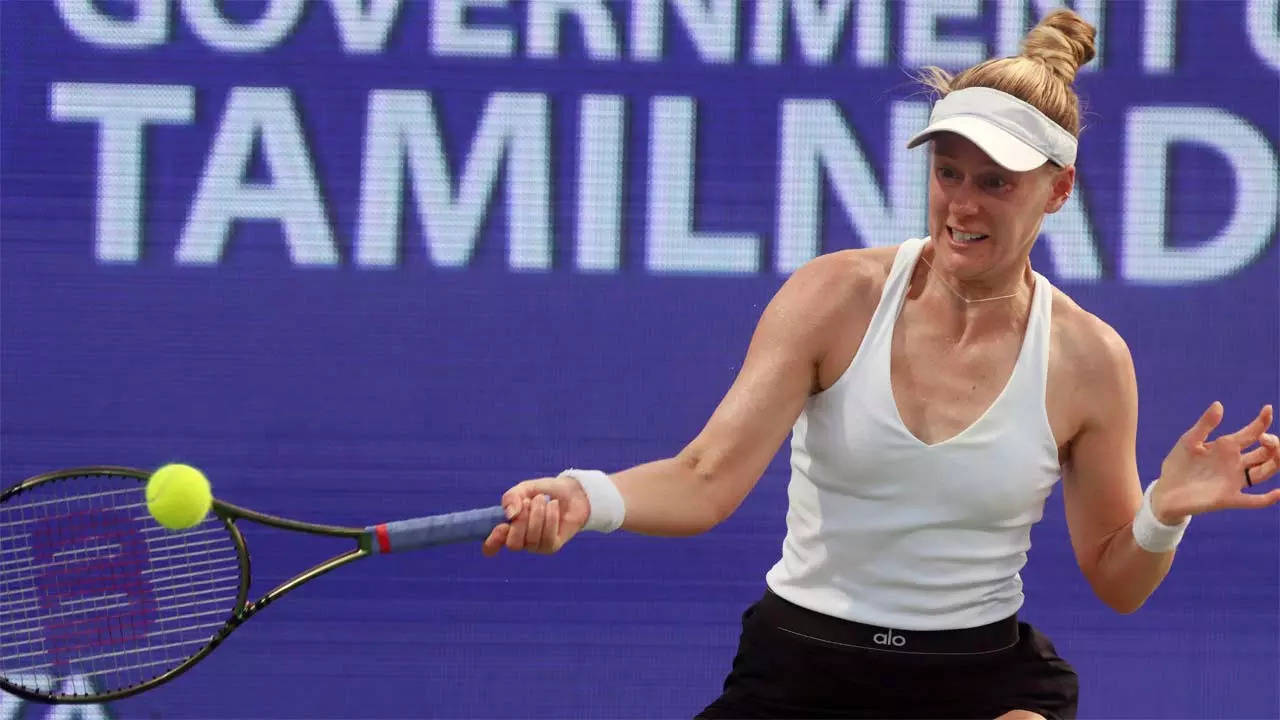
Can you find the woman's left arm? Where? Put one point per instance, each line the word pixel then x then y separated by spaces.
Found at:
pixel 1103 492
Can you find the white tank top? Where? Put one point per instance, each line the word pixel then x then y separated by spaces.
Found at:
pixel 885 530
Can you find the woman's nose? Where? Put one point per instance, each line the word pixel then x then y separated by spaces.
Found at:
pixel 962 201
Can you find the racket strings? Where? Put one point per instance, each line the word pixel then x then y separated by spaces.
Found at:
pixel 95 596
pixel 21 565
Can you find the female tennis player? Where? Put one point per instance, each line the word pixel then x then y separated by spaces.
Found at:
pixel 935 392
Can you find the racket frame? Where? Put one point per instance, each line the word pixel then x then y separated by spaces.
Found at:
pixel 241 611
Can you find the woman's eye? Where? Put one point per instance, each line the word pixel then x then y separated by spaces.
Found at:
pixel 995 183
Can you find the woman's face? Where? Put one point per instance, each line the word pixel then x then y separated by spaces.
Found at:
pixel 984 218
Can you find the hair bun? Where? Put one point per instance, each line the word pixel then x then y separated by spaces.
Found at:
pixel 1063 41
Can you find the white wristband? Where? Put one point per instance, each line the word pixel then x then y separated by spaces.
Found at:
pixel 1153 535
pixel 607 507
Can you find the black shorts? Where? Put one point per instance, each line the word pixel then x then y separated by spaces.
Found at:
pixel 796 663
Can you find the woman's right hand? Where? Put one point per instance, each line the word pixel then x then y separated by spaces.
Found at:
pixel 542 515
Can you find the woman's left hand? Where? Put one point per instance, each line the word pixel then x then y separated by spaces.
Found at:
pixel 1200 475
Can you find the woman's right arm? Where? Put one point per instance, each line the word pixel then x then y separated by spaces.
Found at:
pixel 703 484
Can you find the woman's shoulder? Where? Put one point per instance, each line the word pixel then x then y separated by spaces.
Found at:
pixel 850 272
pixel 844 285
pixel 1091 348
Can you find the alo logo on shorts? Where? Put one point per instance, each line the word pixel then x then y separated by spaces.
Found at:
pixel 889 638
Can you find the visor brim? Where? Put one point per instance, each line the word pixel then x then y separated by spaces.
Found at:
pixel 1005 149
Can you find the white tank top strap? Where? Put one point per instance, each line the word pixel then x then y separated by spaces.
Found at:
pixel 895 291
pixel 1040 321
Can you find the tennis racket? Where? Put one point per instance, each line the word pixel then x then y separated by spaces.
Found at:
pixel 98 601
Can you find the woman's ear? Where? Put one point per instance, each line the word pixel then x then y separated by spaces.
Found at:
pixel 1062 183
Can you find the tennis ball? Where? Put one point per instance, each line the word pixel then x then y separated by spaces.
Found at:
pixel 178 496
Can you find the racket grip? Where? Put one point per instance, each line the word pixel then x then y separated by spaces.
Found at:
pixel 432 530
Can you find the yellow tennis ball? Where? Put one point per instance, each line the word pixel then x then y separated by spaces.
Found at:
pixel 178 496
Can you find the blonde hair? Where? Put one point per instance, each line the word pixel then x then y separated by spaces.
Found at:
pixel 1041 74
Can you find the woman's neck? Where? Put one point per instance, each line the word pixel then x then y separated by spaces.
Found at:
pixel 976 306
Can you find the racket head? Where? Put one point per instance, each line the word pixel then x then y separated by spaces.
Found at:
pixel 98 601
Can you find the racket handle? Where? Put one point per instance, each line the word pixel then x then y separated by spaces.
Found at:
pixel 424 532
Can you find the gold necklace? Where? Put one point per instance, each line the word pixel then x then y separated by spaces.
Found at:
pixel 957 292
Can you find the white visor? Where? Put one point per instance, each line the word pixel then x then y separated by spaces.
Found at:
pixel 1015 134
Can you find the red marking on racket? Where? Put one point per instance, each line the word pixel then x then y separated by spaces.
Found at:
pixel 384 540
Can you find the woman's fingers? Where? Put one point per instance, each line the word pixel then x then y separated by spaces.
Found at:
pixel 545 542
pixel 534 521
pixel 535 528
pixel 514 500
pixel 496 540
pixel 515 539
pixel 1261 500
pixel 1209 420
pixel 1267 449
pixel 1262 462
pixel 1250 433
pixel 537 516
pixel 551 528
pixel 1260 473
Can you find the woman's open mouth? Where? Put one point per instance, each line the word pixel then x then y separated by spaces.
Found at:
pixel 966 238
